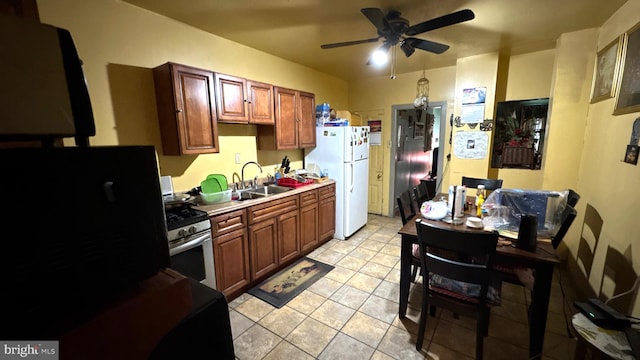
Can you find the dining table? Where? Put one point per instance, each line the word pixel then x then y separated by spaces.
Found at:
pixel 542 260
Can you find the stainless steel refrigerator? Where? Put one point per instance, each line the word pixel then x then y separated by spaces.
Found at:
pixel 343 152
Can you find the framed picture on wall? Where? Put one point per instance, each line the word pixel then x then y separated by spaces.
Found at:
pixel 628 94
pixel 606 71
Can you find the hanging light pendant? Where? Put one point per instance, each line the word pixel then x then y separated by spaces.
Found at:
pixel 422 92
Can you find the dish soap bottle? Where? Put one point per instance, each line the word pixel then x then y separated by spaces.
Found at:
pixel 480 196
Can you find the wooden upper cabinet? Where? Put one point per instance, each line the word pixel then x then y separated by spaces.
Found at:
pixel 243 101
pixel 260 97
pixel 295 124
pixel 231 100
pixel 286 127
pixel 306 120
pixel 186 109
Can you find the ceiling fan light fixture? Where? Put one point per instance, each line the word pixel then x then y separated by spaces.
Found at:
pixel 407 48
pixel 380 56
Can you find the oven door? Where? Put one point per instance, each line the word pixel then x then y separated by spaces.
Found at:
pixel 194 258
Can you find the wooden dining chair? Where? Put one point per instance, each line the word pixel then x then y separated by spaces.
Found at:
pixel 472 268
pixel 573 197
pixel 421 194
pixel 568 215
pixel 489 184
pixel 408 213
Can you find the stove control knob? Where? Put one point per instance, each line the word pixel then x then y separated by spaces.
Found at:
pixel 192 230
pixel 182 233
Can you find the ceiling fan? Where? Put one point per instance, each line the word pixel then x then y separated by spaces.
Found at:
pixel 395 29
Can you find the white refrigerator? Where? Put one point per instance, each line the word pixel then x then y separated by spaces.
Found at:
pixel 344 153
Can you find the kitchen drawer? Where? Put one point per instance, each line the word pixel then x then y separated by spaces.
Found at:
pixel 273 208
pixel 308 197
pixel 327 191
pixel 228 222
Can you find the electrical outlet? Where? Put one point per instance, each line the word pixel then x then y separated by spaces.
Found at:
pixel 237 158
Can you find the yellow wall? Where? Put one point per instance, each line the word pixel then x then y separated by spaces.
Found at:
pixel 120 44
pixel 603 180
pixel 378 95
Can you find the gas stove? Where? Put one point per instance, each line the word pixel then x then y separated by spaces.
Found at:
pixel 184 220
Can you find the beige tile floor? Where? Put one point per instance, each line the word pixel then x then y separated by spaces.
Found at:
pixel 351 313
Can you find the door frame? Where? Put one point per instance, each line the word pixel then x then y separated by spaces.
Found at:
pixel 442 105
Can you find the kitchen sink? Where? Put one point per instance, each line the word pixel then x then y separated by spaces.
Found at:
pixel 263 191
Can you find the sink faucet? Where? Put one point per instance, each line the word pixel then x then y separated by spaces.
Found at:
pixel 233 179
pixel 245 165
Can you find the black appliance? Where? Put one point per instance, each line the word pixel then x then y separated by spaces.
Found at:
pixel 84 225
pixel 48 95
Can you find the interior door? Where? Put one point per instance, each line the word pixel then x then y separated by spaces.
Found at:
pixel 376 162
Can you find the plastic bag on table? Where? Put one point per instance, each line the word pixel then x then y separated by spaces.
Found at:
pixel 504 207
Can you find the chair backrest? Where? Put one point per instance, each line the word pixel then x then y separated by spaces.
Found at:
pixel 421 194
pixel 489 184
pixel 591 229
pixel 475 252
pixel 568 215
pixel 573 197
pixel 405 206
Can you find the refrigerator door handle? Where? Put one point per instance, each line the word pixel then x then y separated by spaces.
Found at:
pixel 353 178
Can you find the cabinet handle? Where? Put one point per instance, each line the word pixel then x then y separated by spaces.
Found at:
pixel 179 110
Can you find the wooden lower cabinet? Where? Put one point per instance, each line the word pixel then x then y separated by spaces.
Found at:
pixel 231 257
pixel 254 243
pixel 308 221
pixel 327 213
pixel 288 236
pixel 263 241
pixel 231 252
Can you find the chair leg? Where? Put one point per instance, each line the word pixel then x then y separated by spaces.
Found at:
pixel 481 331
pixel 423 318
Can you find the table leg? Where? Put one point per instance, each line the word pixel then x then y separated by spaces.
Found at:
pixel 539 308
pixel 405 274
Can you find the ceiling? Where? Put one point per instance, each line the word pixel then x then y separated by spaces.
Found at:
pixel 295 29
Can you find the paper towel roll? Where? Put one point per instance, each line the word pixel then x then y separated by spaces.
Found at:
pixel 458 203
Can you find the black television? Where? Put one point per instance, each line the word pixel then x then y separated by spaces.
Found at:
pixel 82 227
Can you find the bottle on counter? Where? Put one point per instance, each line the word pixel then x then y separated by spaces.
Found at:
pixel 480 196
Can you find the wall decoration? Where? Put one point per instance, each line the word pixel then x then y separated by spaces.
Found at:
pixel 375 132
pixel 471 144
pixel 473 101
pixel 631 156
pixel 519 133
pixel 606 71
pixel 418 130
pixel 487 125
pixel 628 94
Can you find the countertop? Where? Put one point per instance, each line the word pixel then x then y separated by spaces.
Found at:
pixel 221 208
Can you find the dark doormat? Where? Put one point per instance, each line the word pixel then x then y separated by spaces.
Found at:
pixel 280 288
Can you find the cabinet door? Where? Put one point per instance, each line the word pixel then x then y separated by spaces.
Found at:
pixel 286 130
pixel 231 255
pixel 308 228
pixel 231 100
pixel 306 120
pixel 326 218
pixel 260 97
pixel 186 109
pixel 264 248
pixel 288 236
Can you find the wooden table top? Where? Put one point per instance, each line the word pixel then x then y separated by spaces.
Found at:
pixel 544 250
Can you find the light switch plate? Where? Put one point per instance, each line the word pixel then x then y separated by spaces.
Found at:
pixel 237 158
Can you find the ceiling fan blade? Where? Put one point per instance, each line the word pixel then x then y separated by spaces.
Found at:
pixel 347 43
pixel 377 17
pixel 442 21
pixel 426 45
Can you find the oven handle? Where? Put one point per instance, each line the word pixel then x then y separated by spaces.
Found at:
pixel 198 241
